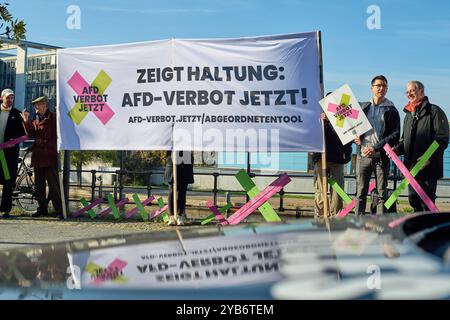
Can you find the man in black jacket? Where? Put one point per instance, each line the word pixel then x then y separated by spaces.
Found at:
pixel 185 176
pixel 424 123
pixel 337 156
pixel 11 127
pixel 371 157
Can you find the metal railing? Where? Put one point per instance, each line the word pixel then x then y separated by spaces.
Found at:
pixel 118 187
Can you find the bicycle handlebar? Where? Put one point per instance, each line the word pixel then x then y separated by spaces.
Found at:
pixel 28 149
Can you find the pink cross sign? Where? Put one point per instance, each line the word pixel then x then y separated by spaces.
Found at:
pixel 132 212
pixel 107 211
pixel 345 114
pixel 352 204
pixel 259 200
pixel 214 210
pixel 422 194
pixel 343 110
pixel 158 212
pixel 112 272
pixel 92 94
pixel 87 208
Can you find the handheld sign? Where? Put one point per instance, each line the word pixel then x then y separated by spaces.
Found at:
pixel 345 114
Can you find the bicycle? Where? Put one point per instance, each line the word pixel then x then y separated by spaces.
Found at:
pixel 24 190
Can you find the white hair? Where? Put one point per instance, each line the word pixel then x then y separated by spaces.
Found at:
pixel 417 84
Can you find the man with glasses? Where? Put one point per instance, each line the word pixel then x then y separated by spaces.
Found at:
pixel 424 123
pixel 371 157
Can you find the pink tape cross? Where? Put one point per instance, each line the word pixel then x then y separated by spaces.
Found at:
pixel 158 212
pixel 132 212
pixel 13 142
pixel 257 201
pixel 77 83
pixel 218 215
pixel 352 204
pixel 85 209
pixel 335 108
pixel 116 266
pixel 119 204
pixel 399 221
pixel 410 178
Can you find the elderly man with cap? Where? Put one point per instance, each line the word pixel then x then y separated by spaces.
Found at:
pixel 45 156
pixel 11 127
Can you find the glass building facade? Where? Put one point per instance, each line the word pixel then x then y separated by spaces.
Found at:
pixel 41 77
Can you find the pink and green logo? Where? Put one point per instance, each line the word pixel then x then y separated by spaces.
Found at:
pixel 90 98
pixel 113 272
pixel 343 110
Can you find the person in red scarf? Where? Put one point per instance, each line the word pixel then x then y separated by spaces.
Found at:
pixel 424 123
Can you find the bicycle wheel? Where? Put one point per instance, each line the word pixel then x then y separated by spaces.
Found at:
pixel 24 192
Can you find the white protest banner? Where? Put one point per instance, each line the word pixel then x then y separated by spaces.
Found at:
pixel 245 94
pixel 345 114
pixel 207 262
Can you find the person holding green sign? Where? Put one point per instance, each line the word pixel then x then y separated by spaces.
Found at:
pixel 424 123
pixel 11 127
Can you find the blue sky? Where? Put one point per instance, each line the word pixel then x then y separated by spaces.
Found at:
pixel 412 44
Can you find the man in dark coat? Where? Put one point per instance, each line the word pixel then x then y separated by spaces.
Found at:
pixel 185 176
pixel 45 156
pixel 424 123
pixel 11 127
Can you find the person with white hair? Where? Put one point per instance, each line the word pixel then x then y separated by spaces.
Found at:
pixel 11 127
pixel 424 123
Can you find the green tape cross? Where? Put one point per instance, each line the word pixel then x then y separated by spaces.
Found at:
pixel 211 217
pixel 414 171
pixel 93 268
pixel 252 190
pixel 90 212
pixel 165 215
pixel 139 205
pixel 345 100
pixel 225 207
pixel 336 187
pixel 102 81
pixel 208 219
pixel 114 209
pixel 4 165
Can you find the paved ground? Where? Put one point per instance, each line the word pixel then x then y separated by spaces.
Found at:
pixel 22 230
